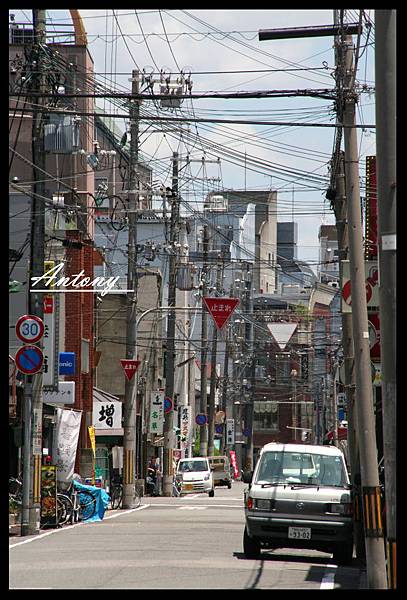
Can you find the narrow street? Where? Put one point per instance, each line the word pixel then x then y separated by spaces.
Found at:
pixel 194 542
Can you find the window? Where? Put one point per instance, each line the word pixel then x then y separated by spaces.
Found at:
pixel 265 416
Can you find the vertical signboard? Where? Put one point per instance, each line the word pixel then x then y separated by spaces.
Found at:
pixel 185 425
pixel 371 209
pixel 156 424
pixel 230 431
pixel 48 495
pixel 51 338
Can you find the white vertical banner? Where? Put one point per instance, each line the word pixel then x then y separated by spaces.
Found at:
pixel 230 431
pixel 156 412
pixel 68 424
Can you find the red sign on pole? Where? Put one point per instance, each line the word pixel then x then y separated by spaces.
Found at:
pixel 221 309
pixel 130 366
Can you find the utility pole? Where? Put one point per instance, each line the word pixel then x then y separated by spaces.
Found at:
pixel 385 55
pixel 339 207
pixel 251 369
pixel 33 390
pixel 203 434
pixel 376 570
pixel 375 558
pixel 225 385
pixel 169 437
pixel 130 398
pixel 211 404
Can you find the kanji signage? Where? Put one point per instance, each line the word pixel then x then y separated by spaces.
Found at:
pixel 221 309
pixel 157 412
pixel 107 415
pixel 130 367
pixel 230 431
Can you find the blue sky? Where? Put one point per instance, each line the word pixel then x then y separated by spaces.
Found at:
pixel 292 160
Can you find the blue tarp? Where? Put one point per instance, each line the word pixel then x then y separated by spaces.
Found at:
pixel 102 499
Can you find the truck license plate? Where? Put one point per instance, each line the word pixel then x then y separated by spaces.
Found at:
pixel 299 533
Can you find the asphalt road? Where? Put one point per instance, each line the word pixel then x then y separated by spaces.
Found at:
pixel 194 542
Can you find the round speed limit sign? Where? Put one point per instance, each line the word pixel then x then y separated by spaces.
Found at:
pixel 29 329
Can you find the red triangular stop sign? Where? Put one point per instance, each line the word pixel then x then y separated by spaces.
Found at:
pixel 130 366
pixel 221 309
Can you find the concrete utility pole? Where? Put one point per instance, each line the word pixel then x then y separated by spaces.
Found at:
pixel 211 404
pixel 339 206
pixel 251 369
pixel 31 518
pixel 203 432
pixel 169 436
pixel 130 398
pixel 375 558
pixel 385 55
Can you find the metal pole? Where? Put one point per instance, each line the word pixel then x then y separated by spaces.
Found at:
pixel 169 437
pixel 33 425
pixel 385 55
pixel 375 559
pixel 130 400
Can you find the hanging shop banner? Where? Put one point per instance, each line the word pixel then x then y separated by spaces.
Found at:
pixel 372 285
pixel 92 437
pixel 67 427
pixel 156 424
pixel 49 495
pixel 234 463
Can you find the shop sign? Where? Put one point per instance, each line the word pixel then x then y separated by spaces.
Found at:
pixel 48 495
pixel 107 415
pixel 156 424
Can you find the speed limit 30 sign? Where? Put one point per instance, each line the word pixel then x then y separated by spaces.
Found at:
pixel 29 329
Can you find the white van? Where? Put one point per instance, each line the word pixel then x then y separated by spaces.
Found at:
pixel 195 475
pixel 299 496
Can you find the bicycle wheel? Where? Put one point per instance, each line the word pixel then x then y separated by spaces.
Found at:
pixel 137 496
pixel 87 505
pixel 64 509
pixel 116 497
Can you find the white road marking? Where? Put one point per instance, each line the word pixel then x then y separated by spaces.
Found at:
pixel 328 580
pixel 66 527
pixel 192 507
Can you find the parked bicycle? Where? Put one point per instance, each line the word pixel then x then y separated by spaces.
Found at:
pixel 116 495
pixel 75 505
pixel 15 493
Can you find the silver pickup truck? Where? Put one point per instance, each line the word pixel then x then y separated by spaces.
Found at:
pixel 220 467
